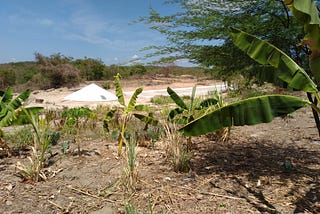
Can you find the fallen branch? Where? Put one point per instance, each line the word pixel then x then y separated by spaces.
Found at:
pixel 56 205
pixel 89 194
pixel 213 194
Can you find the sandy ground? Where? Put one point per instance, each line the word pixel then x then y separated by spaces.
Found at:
pixel 54 98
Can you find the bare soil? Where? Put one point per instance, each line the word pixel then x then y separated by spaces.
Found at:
pixel 267 168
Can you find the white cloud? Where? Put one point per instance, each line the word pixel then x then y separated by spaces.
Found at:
pixel 135 57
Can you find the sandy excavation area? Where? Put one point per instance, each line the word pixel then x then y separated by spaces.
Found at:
pixel 54 98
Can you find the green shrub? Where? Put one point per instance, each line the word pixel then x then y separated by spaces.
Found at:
pixel 20 138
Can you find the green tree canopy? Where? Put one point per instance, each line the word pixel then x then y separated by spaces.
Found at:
pixel 200 31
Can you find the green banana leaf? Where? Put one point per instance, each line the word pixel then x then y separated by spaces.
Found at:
pixel 176 98
pixel 307 12
pixel 119 92
pixel 147 119
pixel 265 53
pixel 133 100
pixel 304 10
pixel 9 106
pixel 22 116
pixel 108 118
pixel 262 109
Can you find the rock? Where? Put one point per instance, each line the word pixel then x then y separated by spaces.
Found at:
pixel 104 210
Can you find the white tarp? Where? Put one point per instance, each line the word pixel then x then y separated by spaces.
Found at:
pixel 91 93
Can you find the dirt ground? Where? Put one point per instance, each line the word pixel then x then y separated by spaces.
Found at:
pixel 267 168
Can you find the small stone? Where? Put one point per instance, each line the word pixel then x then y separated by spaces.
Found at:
pixel 8 203
pixel 167 179
pixel 9 187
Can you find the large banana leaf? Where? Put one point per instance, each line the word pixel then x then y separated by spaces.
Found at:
pixel 307 12
pixel 119 91
pixel 176 98
pixel 262 109
pixel 265 53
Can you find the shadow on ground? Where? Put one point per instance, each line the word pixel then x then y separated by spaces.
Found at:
pixel 283 167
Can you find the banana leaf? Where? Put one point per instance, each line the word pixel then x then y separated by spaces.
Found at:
pixel 176 98
pixel 147 119
pixel 265 53
pixel 119 92
pixel 10 106
pixel 108 118
pixel 307 12
pixel 262 109
pixel 22 116
pixel 133 100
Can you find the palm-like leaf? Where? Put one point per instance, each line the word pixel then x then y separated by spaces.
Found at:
pixel 148 119
pixel 108 118
pixel 133 100
pixel 176 98
pixel 119 92
pixel 250 111
pixel 9 106
pixel 265 53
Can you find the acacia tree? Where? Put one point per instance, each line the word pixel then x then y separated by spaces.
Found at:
pixel 200 31
pixel 264 108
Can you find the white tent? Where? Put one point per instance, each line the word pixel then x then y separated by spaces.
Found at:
pixel 91 93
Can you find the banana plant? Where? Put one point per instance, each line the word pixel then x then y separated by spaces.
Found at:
pixel 11 111
pixel 263 109
pixel 184 114
pixel 127 111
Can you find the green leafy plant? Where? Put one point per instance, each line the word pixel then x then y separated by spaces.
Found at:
pixel 184 114
pixel 130 170
pixel 20 138
pixel 263 109
pixel 42 140
pixel 176 148
pixel 125 113
pixel 76 119
pixel 10 111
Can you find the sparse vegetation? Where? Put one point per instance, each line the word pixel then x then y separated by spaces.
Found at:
pixel 267 168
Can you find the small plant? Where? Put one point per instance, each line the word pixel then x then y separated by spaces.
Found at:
pixel 131 173
pixel 130 208
pixel 176 149
pixel 76 119
pixel 161 100
pixel 21 138
pixel 184 113
pixel 42 140
pixel 126 112
pixel 9 112
pixel 106 86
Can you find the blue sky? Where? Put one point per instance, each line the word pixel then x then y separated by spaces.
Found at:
pixel 97 29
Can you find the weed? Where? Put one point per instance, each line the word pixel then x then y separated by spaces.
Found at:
pixel 20 138
pixel 130 208
pixel 130 170
pixel 176 149
pixel 76 120
pixel 161 100
pixel 43 137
